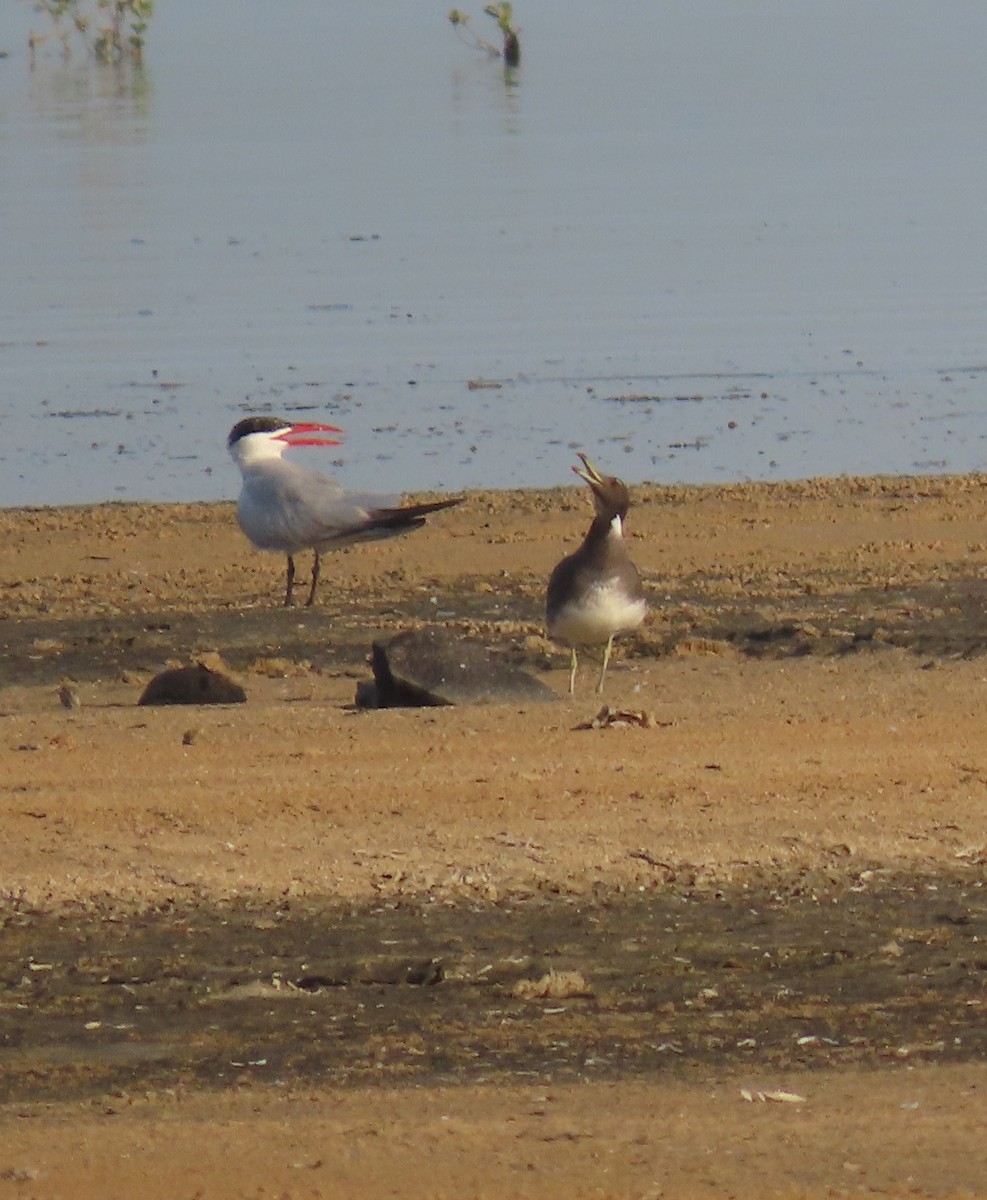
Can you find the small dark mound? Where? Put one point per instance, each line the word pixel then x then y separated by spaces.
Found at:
pixel 192 685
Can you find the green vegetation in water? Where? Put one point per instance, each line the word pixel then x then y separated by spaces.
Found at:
pixel 503 14
pixel 111 30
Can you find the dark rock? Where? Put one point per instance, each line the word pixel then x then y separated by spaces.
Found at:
pixel 421 668
pixel 192 685
pixel 425 974
pixel 381 971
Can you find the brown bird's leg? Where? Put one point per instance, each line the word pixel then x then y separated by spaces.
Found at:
pixel 606 660
pixel 572 671
pixel 315 580
pixel 291 582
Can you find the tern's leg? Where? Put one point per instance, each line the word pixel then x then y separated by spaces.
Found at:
pixel 291 582
pixel 572 672
pixel 315 580
pixel 606 660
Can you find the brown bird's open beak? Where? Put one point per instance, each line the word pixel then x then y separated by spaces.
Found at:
pixel 590 474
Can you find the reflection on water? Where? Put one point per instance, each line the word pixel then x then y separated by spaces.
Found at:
pixel 99 105
pixel 739 244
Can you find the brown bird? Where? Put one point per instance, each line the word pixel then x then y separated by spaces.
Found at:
pixel 596 592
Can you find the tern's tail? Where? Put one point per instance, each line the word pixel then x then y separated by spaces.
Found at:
pixel 409 516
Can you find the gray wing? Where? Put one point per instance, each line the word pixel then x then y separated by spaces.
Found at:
pixel 287 507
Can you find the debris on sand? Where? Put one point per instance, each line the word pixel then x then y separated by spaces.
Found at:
pixel 779 1096
pixel 623 718
pixel 555 985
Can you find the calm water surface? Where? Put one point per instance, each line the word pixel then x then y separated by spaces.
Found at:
pixel 704 241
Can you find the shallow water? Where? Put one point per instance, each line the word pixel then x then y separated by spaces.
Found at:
pixel 703 242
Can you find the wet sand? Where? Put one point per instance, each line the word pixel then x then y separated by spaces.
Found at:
pixel 289 948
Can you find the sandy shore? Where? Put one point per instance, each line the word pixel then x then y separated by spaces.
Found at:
pixel 802 804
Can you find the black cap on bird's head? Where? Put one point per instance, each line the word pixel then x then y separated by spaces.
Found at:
pixel 293 433
pixel 610 494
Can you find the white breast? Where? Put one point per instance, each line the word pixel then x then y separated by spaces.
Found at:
pixel 600 611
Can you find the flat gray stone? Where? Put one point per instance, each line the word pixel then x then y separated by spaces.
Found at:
pixel 430 667
pixel 192 685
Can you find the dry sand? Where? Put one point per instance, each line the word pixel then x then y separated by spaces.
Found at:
pixel 769 883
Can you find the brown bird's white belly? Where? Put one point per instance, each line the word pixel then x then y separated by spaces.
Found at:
pixel 601 610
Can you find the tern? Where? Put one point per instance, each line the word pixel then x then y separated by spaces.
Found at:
pixel 287 508
pixel 596 592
